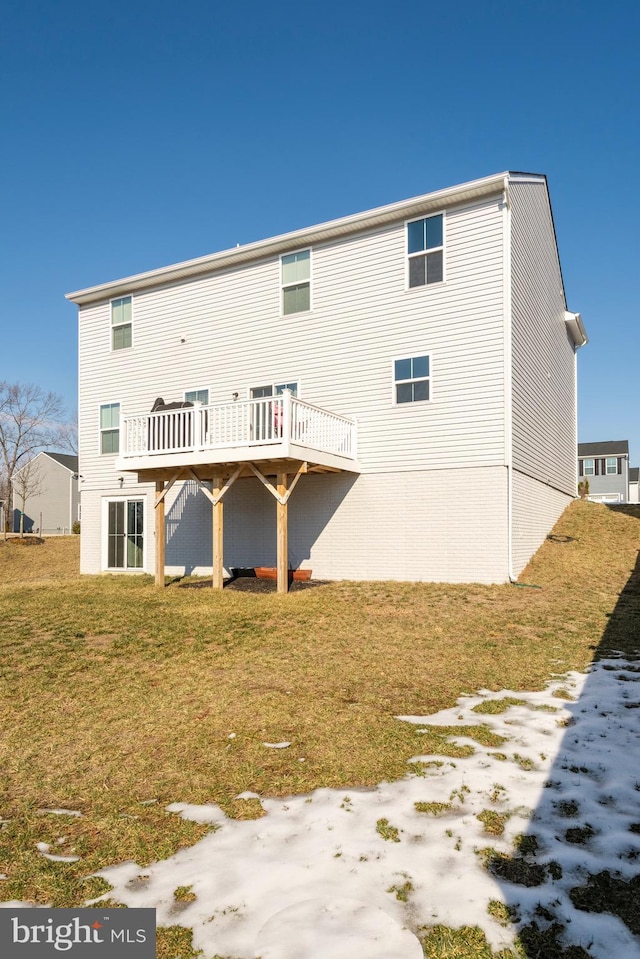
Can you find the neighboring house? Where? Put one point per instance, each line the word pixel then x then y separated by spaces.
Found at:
pixel 634 484
pixel 410 369
pixel 605 466
pixel 46 489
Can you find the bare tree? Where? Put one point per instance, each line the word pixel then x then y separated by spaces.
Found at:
pixel 68 435
pixel 27 481
pixel 30 420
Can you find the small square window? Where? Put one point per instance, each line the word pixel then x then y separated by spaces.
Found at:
pixel 296 282
pixel 412 379
pixel 612 465
pixel 425 249
pixel 589 467
pixel 121 326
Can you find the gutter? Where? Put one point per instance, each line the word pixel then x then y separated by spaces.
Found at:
pixel 323 232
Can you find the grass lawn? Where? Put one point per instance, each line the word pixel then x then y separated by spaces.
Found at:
pixel 117 699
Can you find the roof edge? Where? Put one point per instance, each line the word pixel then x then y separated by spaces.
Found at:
pixel 314 234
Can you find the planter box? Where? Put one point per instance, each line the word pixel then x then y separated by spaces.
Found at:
pixel 270 572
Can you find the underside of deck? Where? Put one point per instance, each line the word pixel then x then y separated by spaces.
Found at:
pixel 221 477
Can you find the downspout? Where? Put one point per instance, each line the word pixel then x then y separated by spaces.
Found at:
pixel 508 380
pixel 575 408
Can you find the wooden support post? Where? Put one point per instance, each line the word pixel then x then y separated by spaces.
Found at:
pixel 159 527
pixel 218 533
pixel 283 544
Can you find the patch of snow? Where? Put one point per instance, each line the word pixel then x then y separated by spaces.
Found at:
pixel 276 745
pixel 59 812
pixel 355 872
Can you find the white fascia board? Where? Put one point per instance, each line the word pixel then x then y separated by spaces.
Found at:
pixel 576 328
pixel 404 209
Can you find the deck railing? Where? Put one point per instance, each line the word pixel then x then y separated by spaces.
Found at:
pixel 273 420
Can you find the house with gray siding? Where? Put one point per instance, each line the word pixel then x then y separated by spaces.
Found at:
pixel 605 466
pixel 634 484
pixel 45 490
pixel 389 395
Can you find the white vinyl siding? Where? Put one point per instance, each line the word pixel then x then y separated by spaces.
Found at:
pixel 364 317
pixel 543 367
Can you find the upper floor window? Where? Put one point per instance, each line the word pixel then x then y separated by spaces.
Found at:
pixel 121 323
pixel 612 465
pixel 412 379
pixel 589 467
pixel 197 396
pixel 110 428
pixel 273 389
pixel 425 249
pixel 296 282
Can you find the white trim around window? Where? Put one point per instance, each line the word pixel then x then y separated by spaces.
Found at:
pixel 121 323
pixel 589 466
pixel 106 425
pixel 425 240
pixel 132 551
pixel 296 282
pixel 199 395
pixel 412 380
pixel 276 387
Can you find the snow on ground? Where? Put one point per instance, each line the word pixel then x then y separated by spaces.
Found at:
pixel 358 872
pixel 353 872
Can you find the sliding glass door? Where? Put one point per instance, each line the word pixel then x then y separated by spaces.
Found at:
pixel 125 534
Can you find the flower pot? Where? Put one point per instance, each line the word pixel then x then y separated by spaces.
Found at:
pixel 270 572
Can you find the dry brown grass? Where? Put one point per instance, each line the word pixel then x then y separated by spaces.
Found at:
pixel 113 693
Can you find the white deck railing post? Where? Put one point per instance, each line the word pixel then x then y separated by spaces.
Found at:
pixel 197 427
pixel 286 420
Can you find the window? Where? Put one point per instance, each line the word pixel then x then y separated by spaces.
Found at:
pixel 277 389
pixel 412 379
pixel 589 467
pixel 121 323
pixel 296 282
pixel 110 428
pixel 197 396
pixel 425 248
pixel 612 465
pixel 125 531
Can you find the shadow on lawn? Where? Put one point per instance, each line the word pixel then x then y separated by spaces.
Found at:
pixel 582 851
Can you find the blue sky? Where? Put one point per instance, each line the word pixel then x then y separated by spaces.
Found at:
pixel 143 133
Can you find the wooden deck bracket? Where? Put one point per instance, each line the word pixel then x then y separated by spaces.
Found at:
pixel 165 489
pixel 282 498
pixel 216 497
